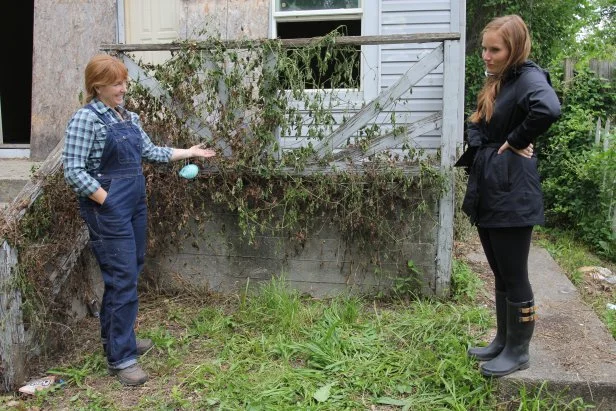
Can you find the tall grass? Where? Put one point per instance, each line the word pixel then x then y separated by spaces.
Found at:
pixel 275 349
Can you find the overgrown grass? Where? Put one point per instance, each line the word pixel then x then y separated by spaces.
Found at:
pixel 275 349
pixel 571 255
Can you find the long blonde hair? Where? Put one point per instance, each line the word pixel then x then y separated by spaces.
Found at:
pixel 103 70
pixel 516 37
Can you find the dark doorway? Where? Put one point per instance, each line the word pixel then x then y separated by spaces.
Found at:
pixel 16 82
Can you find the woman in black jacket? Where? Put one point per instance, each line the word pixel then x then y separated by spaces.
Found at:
pixel 503 197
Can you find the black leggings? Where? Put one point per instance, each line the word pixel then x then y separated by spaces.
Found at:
pixel 507 252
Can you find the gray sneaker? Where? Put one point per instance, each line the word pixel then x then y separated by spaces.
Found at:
pixel 143 345
pixel 133 375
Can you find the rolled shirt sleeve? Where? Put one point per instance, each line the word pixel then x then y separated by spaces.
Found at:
pixel 81 140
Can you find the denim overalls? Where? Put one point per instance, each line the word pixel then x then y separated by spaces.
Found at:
pixel 117 237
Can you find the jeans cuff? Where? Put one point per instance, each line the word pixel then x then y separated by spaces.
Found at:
pixel 122 364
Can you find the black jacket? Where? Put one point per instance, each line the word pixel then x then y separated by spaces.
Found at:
pixel 505 190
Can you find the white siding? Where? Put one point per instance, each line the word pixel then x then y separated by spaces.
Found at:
pixel 415 5
pixel 392 62
pixel 406 17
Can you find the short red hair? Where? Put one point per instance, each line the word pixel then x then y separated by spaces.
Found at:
pixel 103 70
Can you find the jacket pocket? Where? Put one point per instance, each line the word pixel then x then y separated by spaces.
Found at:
pixel 523 187
pixel 502 170
pixel 496 173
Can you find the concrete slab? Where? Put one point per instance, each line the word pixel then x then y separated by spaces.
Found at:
pixel 572 352
pixel 17 168
pixel 23 153
pixel 14 174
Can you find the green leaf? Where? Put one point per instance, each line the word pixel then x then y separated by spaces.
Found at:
pixel 322 394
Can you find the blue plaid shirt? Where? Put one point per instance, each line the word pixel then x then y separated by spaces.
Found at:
pixel 84 142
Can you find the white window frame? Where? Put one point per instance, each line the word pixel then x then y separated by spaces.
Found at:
pixel 322 15
pixel 370 80
pixel 317 15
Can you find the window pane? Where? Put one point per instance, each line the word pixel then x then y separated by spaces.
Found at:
pixel 299 5
pixel 338 67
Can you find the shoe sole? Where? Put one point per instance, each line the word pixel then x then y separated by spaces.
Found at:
pixel 503 373
pixel 132 384
pixel 114 373
pixel 483 357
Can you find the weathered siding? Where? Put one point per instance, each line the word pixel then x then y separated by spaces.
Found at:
pixel 67 33
pixel 390 62
pixel 229 19
pixel 426 98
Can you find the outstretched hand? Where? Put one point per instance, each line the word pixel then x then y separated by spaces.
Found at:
pixel 199 151
pixel 525 152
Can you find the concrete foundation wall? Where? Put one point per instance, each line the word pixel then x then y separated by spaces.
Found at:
pixel 67 33
pixel 215 256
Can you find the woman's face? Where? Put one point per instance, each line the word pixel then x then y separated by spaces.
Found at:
pixel 113 94
pixel 495 53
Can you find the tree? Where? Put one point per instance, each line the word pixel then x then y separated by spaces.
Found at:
pixel 598 37
pixel 554 26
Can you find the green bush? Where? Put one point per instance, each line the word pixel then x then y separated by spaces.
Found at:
pixel 579 176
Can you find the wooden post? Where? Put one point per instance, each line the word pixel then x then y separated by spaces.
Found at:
pixel 451 133
pixel 12 335
pixel 606 135
pixel 606 146
pixel 598 132
pixel 269 66
pixel 569 64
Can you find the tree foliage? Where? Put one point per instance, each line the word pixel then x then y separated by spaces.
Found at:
pixel 579 176
pixel 598 37
pixel 553 25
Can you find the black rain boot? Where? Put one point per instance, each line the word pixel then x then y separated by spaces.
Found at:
pixel 520 326
pixel 497 345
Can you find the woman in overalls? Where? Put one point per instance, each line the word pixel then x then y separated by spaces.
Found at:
pixel 103 149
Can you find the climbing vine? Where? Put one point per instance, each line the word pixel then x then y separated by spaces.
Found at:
pixel 249 98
